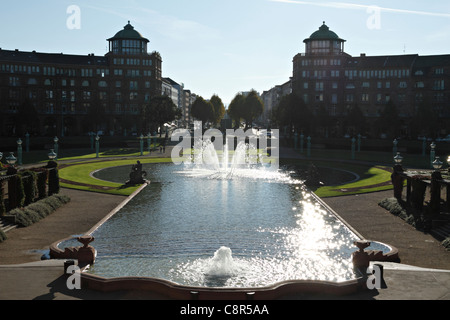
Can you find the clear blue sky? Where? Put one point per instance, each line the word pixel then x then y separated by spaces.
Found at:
pixel 223 47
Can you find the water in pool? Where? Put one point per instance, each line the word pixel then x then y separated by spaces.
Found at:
pixel 200 228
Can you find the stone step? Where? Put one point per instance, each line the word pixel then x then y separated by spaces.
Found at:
pixel 6 226
pixel 442 232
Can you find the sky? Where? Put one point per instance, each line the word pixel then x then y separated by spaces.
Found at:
pixel 226 47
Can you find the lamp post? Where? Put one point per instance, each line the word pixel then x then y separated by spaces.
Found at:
pixel 437 166
pixel 302 137
pixel 309 147
pixel 432 153
pixel 11 160
pixel 91 136
pixel 56 146
pixel 97 146
pixel 149 143
pixel 141 143
pixel 295 140
pixel 424 146
pixel 395 146
pixel 27 142
pixel 19 152
pixel 51 159
pixel 353 148
pixel 359 142
pixel 448 162
pixel 12 181
pixel 435 199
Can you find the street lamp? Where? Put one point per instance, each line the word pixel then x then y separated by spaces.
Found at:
pixel 11 160
pixel 398 159
pixel 432 153
pixel 448 162
pixel 19 151
pixel 141 144
pixel 52 157
pixel 437 164
pixel 149 142
pixel 97 145
pixel 56 145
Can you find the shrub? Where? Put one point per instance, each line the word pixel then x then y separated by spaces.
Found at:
pixel 29 186
pixel 41 184
pixel 35 212
pixel 21 219
pixel 53 182
pixel 20 192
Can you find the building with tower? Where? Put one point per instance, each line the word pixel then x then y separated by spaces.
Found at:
pixel 334 84
pixel 58 94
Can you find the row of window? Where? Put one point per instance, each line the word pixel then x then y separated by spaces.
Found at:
pixel 84 72
pixel 437 85
pixel 379 98
pixel 15 82
pixel 132 62
pixel 71 95
pixel 321 62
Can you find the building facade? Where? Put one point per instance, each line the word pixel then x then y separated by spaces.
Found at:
pixel 327 78
pixel 60 94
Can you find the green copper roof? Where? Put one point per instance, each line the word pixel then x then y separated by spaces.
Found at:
pixel 324 33
pixel 128 33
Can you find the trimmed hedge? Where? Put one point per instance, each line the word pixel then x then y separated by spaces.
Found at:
pixel 39 210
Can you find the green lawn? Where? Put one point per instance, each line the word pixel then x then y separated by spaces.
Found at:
pixel 78 175
pixel 371 176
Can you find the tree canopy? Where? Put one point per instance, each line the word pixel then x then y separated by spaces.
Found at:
pixel 247 107
pixel 292 112
pixel 160 110
pixel 202 110
pixel 218 107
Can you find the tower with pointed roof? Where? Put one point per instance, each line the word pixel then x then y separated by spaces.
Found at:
pixel 324 42
pixel 128 42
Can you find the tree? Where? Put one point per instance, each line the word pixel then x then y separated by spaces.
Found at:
pixel 219 108
pixel 355 119
pixel 389 120
pixel 159 111
pixel 202 110
pixel 26 117
pixel 425 120
pixel 253 107
pixel 293 113
pixel 235 109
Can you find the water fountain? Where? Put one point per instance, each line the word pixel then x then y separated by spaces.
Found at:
pixel 224 221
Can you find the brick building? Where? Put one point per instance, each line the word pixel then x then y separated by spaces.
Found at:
pixel 60 94
pixel 327 78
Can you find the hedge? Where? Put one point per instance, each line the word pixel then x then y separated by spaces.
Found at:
pixel 33 213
